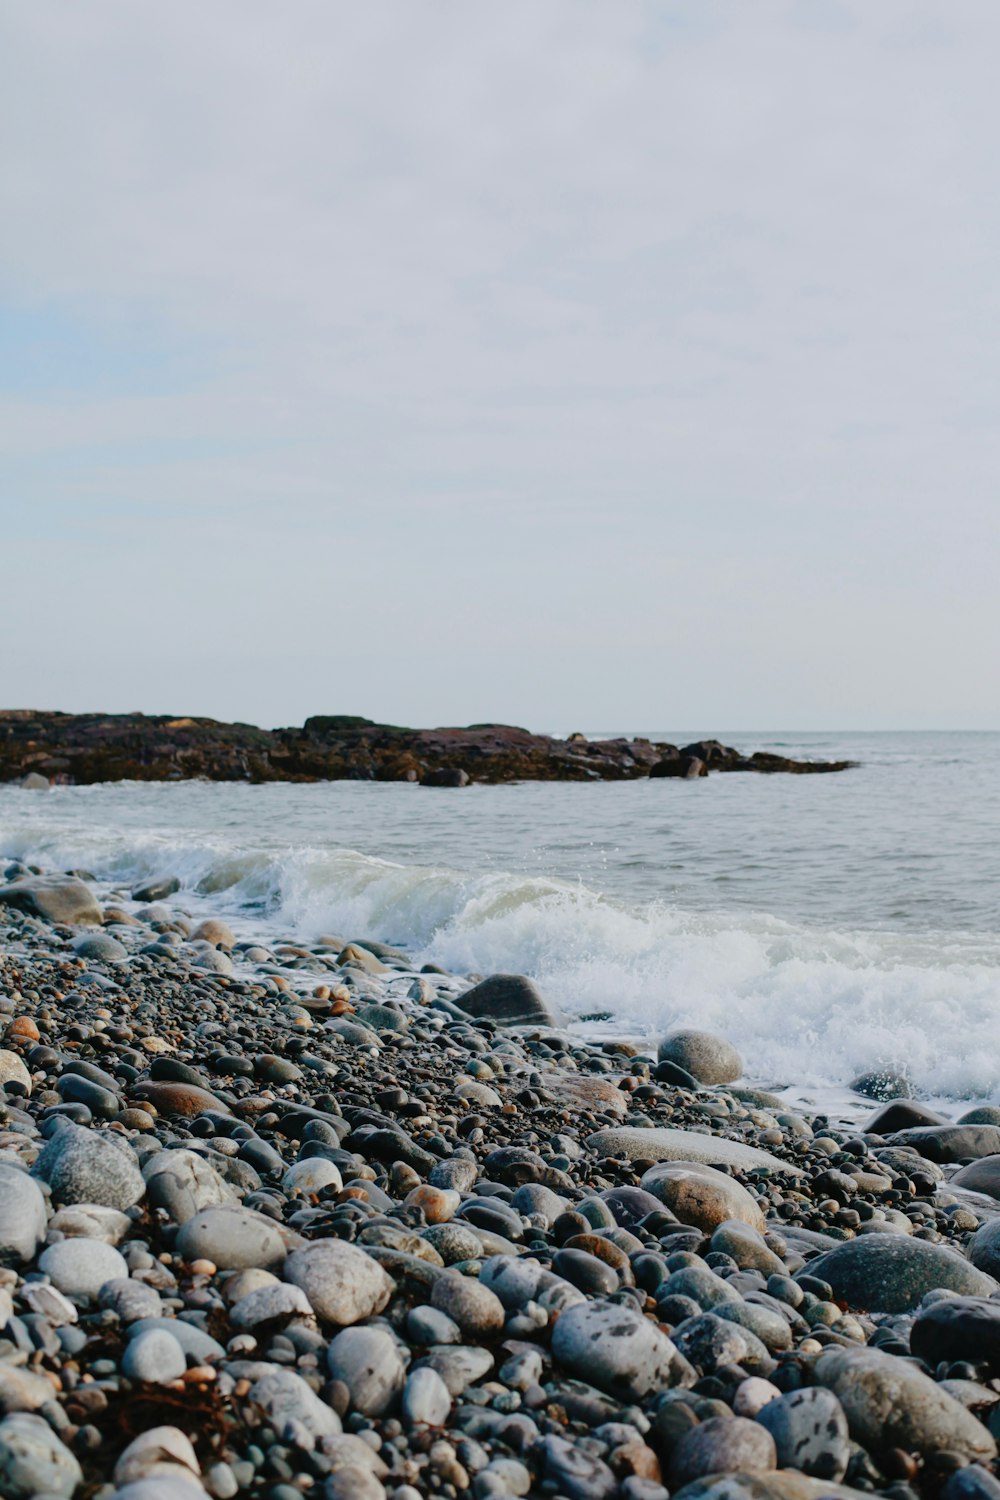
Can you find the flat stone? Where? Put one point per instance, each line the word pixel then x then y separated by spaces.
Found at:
pixel 902 1114
pixel 100 947
pixel 889 1403
pixel 636 1143
pixel 893 1273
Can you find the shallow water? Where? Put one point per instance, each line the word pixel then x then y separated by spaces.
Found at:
pixel 826 924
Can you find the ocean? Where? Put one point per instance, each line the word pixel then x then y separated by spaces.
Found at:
pixel 826 924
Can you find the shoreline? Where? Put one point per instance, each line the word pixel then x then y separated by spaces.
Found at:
pixel 361 1244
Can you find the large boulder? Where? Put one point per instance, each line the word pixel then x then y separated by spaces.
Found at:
pixel 510 999
pixel 893 1273
pixel 889 1403
pixel 61 899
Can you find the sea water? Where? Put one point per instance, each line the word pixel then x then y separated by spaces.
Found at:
pixel 826 924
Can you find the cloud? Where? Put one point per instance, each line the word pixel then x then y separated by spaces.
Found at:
pixel 562 350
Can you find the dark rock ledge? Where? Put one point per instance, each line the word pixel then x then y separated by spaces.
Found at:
pixel 83 748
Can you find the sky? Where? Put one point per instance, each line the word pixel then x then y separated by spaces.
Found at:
pixel 563 363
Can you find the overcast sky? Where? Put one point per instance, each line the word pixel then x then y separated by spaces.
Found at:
pixel 573 364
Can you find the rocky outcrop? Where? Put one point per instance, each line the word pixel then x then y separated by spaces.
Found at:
pixel 84 748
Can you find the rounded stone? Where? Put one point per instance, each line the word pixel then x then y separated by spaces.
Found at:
pixel 79 1268
pixel 810 1432
pixel 342 1283
pixel 182 1182
pixel 311 1176
pixel 232 1237
pixel 477 1311
pixel 615 1349
pixel 13 1070
pixel 893 1273
pixel 88 1166
pixel 426 1398
pixel 100 947
pixel 33 1460
pixel 154 1357
pixel 369 1363
pixel 22 1215
pixel 709 1058
pixel 719 1446
pixel 696 1194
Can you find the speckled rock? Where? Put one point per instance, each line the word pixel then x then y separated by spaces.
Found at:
pixel 890 1273
pixel 698 1195
pixel 342 1283
pixel 90 1166
pixel 34 1461
pixel 617 1350
pixel 721 1445
pixel 22 1215
pixel 810 1432
pixel 81 1267
pixel 13 1070
pixel 710 1059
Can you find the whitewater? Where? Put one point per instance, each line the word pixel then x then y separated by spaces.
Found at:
pixel 826 925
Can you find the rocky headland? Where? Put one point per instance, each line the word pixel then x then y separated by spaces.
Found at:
pixel 282 1219
pixel 84 748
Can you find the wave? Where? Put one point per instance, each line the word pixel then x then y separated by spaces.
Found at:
pixel 806 1006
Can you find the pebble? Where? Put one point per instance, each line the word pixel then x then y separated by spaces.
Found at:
pixel 232 1236
pixel 88 1166
pixel 155 1356
pixel 81 1267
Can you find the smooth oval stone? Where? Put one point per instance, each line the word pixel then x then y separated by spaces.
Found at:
pixel 982 1176
pixel 100 947
pixel 722 1445
pixel 193 1340
pixel 155 1357
pixel 232 1237
pixel 182 1182
pixel 958 1328
pixel 34 1461
pixel 810 1432
pixel 946 1143
pixel 86 1166
pixel 892 1273
pixel 180 1099
pixel 459 1365
pixel 475 1309
pixel 696 1194
pixel 617 1350
pixel 708 1058
pixel 889 1403
pixel 585 1271
pixel 80 1267
pixel 283 1397
pixel 312 1175
pixel 630 1205
pixel 426 1398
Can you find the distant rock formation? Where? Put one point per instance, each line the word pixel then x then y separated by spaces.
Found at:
pixel 84 748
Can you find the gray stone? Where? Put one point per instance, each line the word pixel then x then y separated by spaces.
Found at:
pixel 708 1058
pixel 982 1176
pixel 459 1365
pixel 661 1143
pixel 192 1339
pixel 889 1403
pixel 22 1215
pixel 719 1446
pixel 617 1350
pixel 232 1237
pixel 311 1175
pixel 354 1482
pixel 945 1143
pixel 157 889
pixel 175 1486
pixel 285 1397
pixel 709 1341
pixel 60 899
pixel 509 999
pixel 893 1273
pixel 810 1432
pixel 577 1473
pixel 426 1398
pixel 268 1304
pixel 87 1166
pixel 155 1357
pixel 81 1267
pixel 781 1484
pixel 182 1182
pixel 101 948
pixel 13 1070
pixel 33 1461
pixel 130 1300
pixel 475 1309
pixel 369 1363
pixel 984 1252
pixel 958 1328
pixel 158 1451
pixel 342 1283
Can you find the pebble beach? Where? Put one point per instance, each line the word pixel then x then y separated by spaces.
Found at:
pixel 282 1219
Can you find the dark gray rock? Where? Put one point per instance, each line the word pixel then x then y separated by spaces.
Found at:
pixel 902 1114
pixel 958 1328
pixel 510 999
pixel 883 1084
pixel 156 890
pixel 893 1273
pixel 722 1445
pixel 982 1176
pixel 984 1252
pixel 944 1143
pixel 810 1432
